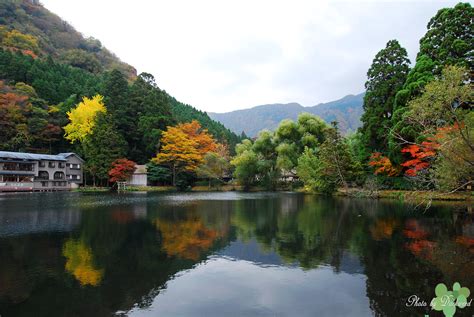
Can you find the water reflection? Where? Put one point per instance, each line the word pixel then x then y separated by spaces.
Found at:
pixel 226 254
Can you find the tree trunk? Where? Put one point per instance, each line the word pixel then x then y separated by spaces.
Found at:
pixel 174 175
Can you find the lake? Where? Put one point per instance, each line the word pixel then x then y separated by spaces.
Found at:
pixel 228 254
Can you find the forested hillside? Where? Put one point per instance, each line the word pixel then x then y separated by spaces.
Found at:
pixel 346 111
pixel 47 67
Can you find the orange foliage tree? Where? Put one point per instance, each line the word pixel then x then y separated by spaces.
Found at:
pixel 183 147
pixel 122 169
pixel 383 165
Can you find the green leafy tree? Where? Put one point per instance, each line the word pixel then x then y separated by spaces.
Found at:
pixel 245 163
pixel 330 166
pixel 386 76
pixel 213 167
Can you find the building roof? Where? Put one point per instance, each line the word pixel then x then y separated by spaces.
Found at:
pixel 65 155
pixel 140 169
pixel 31 156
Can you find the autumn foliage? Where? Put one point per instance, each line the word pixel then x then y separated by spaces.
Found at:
pixel 80 263
pixel 82 118
pixel 420 156
pixel 184 146
pixel 383 165
pixel 186 239
pixel 122 169
pixel 419 245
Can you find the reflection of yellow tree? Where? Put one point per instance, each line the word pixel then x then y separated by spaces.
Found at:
pixel 80 263
pixel 383 229
pixel 186 239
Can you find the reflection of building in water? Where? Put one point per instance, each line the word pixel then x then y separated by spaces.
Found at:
pixel 139 211
pixel 24 222
pixel 289 203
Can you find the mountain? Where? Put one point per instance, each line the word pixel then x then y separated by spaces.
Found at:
pixel 42 32
pixel 347 111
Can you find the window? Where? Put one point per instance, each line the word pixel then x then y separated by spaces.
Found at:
pixel 9 178
pixel 75 166
pixel 43 175
pixel 59 175
pixel 42 164
pixel 51 165
pixel 61 165
pixel 9 166
pixel 44 184
pixel 25 166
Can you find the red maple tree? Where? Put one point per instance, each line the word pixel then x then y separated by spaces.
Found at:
pixel 421 155
pixel 121 170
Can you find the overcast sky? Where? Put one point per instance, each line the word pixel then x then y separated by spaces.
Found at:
pixel 226 55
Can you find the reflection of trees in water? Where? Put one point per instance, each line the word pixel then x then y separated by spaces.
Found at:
pixel 137 253
pixel 187 239
pixel 80 263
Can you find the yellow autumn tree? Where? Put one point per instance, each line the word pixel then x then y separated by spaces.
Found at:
pixel 80 263
pixel 183 147
pixel 82 118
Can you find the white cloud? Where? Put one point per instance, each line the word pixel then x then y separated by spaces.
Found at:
pixel 223 55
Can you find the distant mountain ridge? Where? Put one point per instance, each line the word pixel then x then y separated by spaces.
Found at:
pixel 346 111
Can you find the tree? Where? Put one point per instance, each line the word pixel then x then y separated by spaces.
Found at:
pixel 245 163
pixel 83 118
pixel 449 39
pixel 153 116
pixel 443 118
pixel 184 147
pixel 213 167
pixel 159 174
pixel 454 167
pixel 383 165
pixel 386 76
pixel 102 147
pixel 121 170
pixel 292 137
pixel 447 42
pixel 330 166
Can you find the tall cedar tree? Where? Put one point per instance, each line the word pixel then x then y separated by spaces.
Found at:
pixel 385 77
pixel 116 94
pixel 448 41
pixel 102 147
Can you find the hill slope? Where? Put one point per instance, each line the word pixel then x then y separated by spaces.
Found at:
pixel 59 66
pixel 51 36
pixel 347 111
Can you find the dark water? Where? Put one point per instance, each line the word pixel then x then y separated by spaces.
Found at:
pixel 227 254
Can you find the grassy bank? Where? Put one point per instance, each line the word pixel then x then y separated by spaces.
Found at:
pixel 406 195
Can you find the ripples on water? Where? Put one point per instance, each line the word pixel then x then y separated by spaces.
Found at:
pixel 226 254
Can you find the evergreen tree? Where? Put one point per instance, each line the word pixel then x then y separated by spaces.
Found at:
pixel 153 116
pixel 448 41
pixel 102 147
pixel 386 76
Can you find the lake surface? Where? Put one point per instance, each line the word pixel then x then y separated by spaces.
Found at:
pixel 227 254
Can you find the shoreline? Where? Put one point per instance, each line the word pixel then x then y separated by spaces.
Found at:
pixel 402 195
